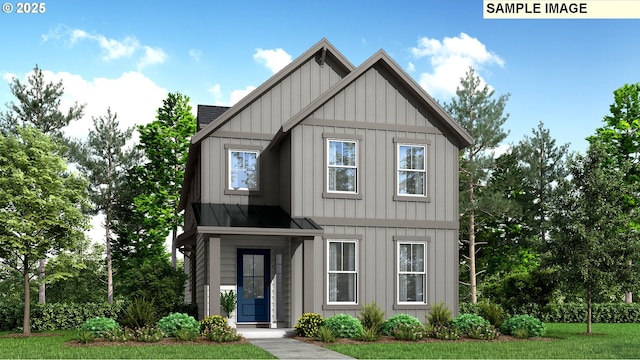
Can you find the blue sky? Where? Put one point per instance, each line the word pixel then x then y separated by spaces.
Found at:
pixel 128 54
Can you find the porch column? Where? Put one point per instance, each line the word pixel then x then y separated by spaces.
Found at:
pixel 214 276
pixel 309 298
pixel 297 286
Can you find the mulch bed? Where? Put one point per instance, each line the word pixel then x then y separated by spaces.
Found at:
pixel 163 342
pixel 21 335
pixel 391 339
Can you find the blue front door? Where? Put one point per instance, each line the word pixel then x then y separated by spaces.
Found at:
pixel 253 285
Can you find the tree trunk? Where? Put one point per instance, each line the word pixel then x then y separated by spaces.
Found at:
pixel 472 244
pixel 42 291
pixel 109 265
pixel 26 323
pixel 589 311
pixel 628 296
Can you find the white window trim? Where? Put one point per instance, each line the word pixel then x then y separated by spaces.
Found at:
pixel 356 166
pixel 356 271
pixel 424 170
pixel 398 273
pixel 229 162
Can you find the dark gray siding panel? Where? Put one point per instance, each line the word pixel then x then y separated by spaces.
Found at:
pixel 201 272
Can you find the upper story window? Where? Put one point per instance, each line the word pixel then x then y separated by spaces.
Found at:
pixel 342 166
pixel 411 172
pixel 243 169
pixel 342 274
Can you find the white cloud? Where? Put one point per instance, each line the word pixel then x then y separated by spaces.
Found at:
pixel 151 56
pixel 195 54
pixel 237 95
pixel 411 67
pixel 450 59
pixel 274 60
pixel 111 48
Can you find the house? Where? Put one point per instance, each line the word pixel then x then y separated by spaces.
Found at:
pixel 326 188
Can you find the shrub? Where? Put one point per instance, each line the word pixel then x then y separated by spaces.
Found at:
pixel 140 313
pixel 465 322
pixel 98 326
pixel 212 321
pixel 119 335
pixel 439 315
pixel 308 325
pixel 148 334
pixel 493 313
pixel 85 337
pixel 344 326
pixel 325 334
pixel 186 334
pixel 483 332
pixel 533 326
pixel 173 322
pixel 228 301
pixel 411 332
pixel 521 333
pixel 396 319
pixel 446 333
pixel 370 334
pixel 222 333
pixel 371 317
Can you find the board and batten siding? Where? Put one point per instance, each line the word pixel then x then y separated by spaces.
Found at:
pixel 286 98
pixel 378 269
pixel 201 272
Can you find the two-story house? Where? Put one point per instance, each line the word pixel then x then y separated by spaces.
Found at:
pixel 326 188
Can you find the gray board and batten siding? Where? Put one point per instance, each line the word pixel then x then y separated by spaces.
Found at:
pixel 289 118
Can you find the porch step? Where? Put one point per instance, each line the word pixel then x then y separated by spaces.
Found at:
pixel 257 333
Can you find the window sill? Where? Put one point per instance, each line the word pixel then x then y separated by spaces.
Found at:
pixel 416 306
pixel 330 195
pixel 243 192
pixel 412 198
pixel 342 307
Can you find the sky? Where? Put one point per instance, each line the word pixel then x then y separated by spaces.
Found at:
pixel 128 55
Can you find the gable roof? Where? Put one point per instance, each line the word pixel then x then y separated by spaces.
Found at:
pixel 324 47
pixel 451 127
pixel 208 113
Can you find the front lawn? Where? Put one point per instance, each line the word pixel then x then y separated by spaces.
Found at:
pixel 53 345
pixel 610 341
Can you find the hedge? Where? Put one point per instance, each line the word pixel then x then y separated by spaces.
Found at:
pixel 573 312
pixel 53 316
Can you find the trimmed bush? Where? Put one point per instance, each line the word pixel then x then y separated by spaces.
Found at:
pixel 344 326
pixel 221 333
pixel 175 322
pixel 99 326
pixel 212 321
pixel 533 326
pixel 465 322
pixel 308 325
pixel 392 322
pixel 371 317
pixel 439 315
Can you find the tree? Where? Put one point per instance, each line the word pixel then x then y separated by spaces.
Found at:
pixel 590 243
pixel 75 275
pixel 42 205
pixel 106 161
pixel 620 138
pixel 39 105
pixel 165 143
pixel 481 115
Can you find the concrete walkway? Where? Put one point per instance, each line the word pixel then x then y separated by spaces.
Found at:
pixel 287 348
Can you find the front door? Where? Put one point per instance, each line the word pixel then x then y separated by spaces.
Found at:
pixel 253 285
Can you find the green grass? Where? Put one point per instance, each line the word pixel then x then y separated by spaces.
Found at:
pixel 54 347
pixel 610 341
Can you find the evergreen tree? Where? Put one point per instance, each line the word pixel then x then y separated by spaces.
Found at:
pixel 482 116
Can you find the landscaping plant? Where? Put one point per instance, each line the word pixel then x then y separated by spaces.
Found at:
pixel 533 326
pixel 138 314
pixel 212 321
pixel 228 301
pixel 174 322
pixel 308 325
pixel 439 315
pixel 494 313
pixel 325 334
pixel 99 326
pixel 344 326
pixel 465 322
pixel 371 317
pixel 409 332
pixel 396 319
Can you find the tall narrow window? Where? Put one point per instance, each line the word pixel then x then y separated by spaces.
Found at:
pixel 243 170
pixel 411 170
pixel 342 265
pixel 411 272
pixel 342 166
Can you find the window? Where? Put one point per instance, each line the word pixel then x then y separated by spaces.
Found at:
pixel 342 265
pixel 411 272
pixel 243 170
pixel 342 166
pixel 411 170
